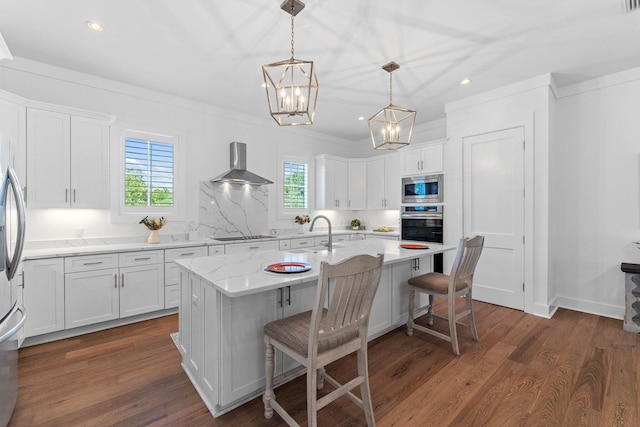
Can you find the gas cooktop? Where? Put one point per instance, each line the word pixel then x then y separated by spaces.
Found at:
pixel 240 238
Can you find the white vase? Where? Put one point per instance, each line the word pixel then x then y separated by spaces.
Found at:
pixel 154 236
pixel 302 228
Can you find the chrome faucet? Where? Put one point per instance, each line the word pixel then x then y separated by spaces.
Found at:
pixel 330 242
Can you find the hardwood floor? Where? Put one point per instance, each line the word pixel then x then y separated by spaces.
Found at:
pixel 573 370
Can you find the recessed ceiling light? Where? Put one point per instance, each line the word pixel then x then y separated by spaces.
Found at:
pixel 94 26
pixel 465 81
pixel 360 118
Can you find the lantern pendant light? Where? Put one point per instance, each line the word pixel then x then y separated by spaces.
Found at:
pixel 291 85
pixel 391 128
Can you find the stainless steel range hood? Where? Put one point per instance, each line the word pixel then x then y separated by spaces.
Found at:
pixel 238 174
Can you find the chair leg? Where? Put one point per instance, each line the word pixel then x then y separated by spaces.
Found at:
pixel 363 371
pixel 312 394
pixel 412 297
pixel 430 310
pixel 472 322
pixel 453 332
pixel 269 369
pixel 320 379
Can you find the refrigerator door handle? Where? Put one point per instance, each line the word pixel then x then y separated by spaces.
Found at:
pixel 11 332
pixel 12 263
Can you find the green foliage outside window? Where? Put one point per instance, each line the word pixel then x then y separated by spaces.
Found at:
pixel 138 193
pixel 295 185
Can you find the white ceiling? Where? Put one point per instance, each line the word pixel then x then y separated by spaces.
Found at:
pixel 211 51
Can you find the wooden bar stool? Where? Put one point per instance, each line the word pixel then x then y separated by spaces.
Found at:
pixel 457 284
pixel 318 337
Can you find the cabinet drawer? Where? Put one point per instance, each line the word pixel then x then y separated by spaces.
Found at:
pixel 302 243
pixel 171 274
pixel 90 262
pixel 128 259
pixel 171 296
pixel 181 253
pixel 284 244
pixel 216 250
pixel 251 247
pixel 322 241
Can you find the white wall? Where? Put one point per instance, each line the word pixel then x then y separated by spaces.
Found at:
pixel 598 191
pixel 208 130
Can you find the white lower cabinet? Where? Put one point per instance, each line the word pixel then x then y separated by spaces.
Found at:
pixel 99 288
pixel 91 297
pixel 242 356
pixel 44 295
pixel 238 248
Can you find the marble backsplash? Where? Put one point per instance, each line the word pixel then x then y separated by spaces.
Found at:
pixel 232 210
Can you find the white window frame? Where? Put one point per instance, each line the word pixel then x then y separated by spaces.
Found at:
pixel 283 213
pixel 121 213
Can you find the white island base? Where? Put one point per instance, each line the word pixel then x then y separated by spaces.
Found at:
pixel 226 300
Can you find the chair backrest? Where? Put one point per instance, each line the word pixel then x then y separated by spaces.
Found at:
pixel 355 282
pixel 464 266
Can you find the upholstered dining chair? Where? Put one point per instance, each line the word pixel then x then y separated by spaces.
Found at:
pixel 318 337
pixel 453 286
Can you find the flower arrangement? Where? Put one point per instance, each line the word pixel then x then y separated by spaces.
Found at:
pixel 302 219
pixel 152 223
pixel 355 223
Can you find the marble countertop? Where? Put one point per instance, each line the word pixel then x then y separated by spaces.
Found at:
pixel 76 247
pixel 243 274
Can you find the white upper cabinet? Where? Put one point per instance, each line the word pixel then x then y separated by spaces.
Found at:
pixel 383 182
pixel 423 160
pixel 67 160
pixel 331 183
pixel 13 126
pixel 357 185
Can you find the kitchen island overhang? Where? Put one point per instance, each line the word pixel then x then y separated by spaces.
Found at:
pixel 227 299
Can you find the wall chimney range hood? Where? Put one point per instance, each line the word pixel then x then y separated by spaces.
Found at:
pixel 238 174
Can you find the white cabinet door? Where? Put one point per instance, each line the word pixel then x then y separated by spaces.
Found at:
pixel 89 163
pixel 375 184
pixel 357 185
pixel 13 126
pixel 383 183
pixel 48 159
pixel 331 183
pixel 44 295
pixel 392 182
pixel 67 160
pixel 380 317
pixel 91 297
pixel 423 160
pixel 141 289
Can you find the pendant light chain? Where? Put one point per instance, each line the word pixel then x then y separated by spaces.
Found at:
pixel 292 7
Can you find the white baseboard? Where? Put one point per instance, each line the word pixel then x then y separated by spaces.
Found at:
pixel 606 310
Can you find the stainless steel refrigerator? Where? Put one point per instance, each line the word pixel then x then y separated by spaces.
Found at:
pixel 12 315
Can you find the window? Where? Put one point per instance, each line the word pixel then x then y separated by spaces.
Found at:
pixel 295 185
pixel 149 178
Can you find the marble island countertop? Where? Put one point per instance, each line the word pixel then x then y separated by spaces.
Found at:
pixel 75 247
pixel 243 274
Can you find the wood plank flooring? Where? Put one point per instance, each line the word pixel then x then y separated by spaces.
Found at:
pixel 576 369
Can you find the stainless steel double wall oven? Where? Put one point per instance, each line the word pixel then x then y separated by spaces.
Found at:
pixel 423 223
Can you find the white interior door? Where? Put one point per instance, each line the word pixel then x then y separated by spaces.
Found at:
pixel 494 208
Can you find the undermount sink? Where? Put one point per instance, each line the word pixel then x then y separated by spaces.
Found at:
pixel 314 249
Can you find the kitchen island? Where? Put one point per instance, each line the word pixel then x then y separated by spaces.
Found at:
pixel 226 300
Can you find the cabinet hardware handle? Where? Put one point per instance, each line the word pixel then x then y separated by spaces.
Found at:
pixel 122 280
pixel 421 164
pixel 74 195
pixel 187 254
pixel 115 280
pixel 92 263
pixel 144 258
pixel 288 295
pixel 280 297
pixel 418 164
pixel 66 195
pixel 254 247
pixel 304 242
